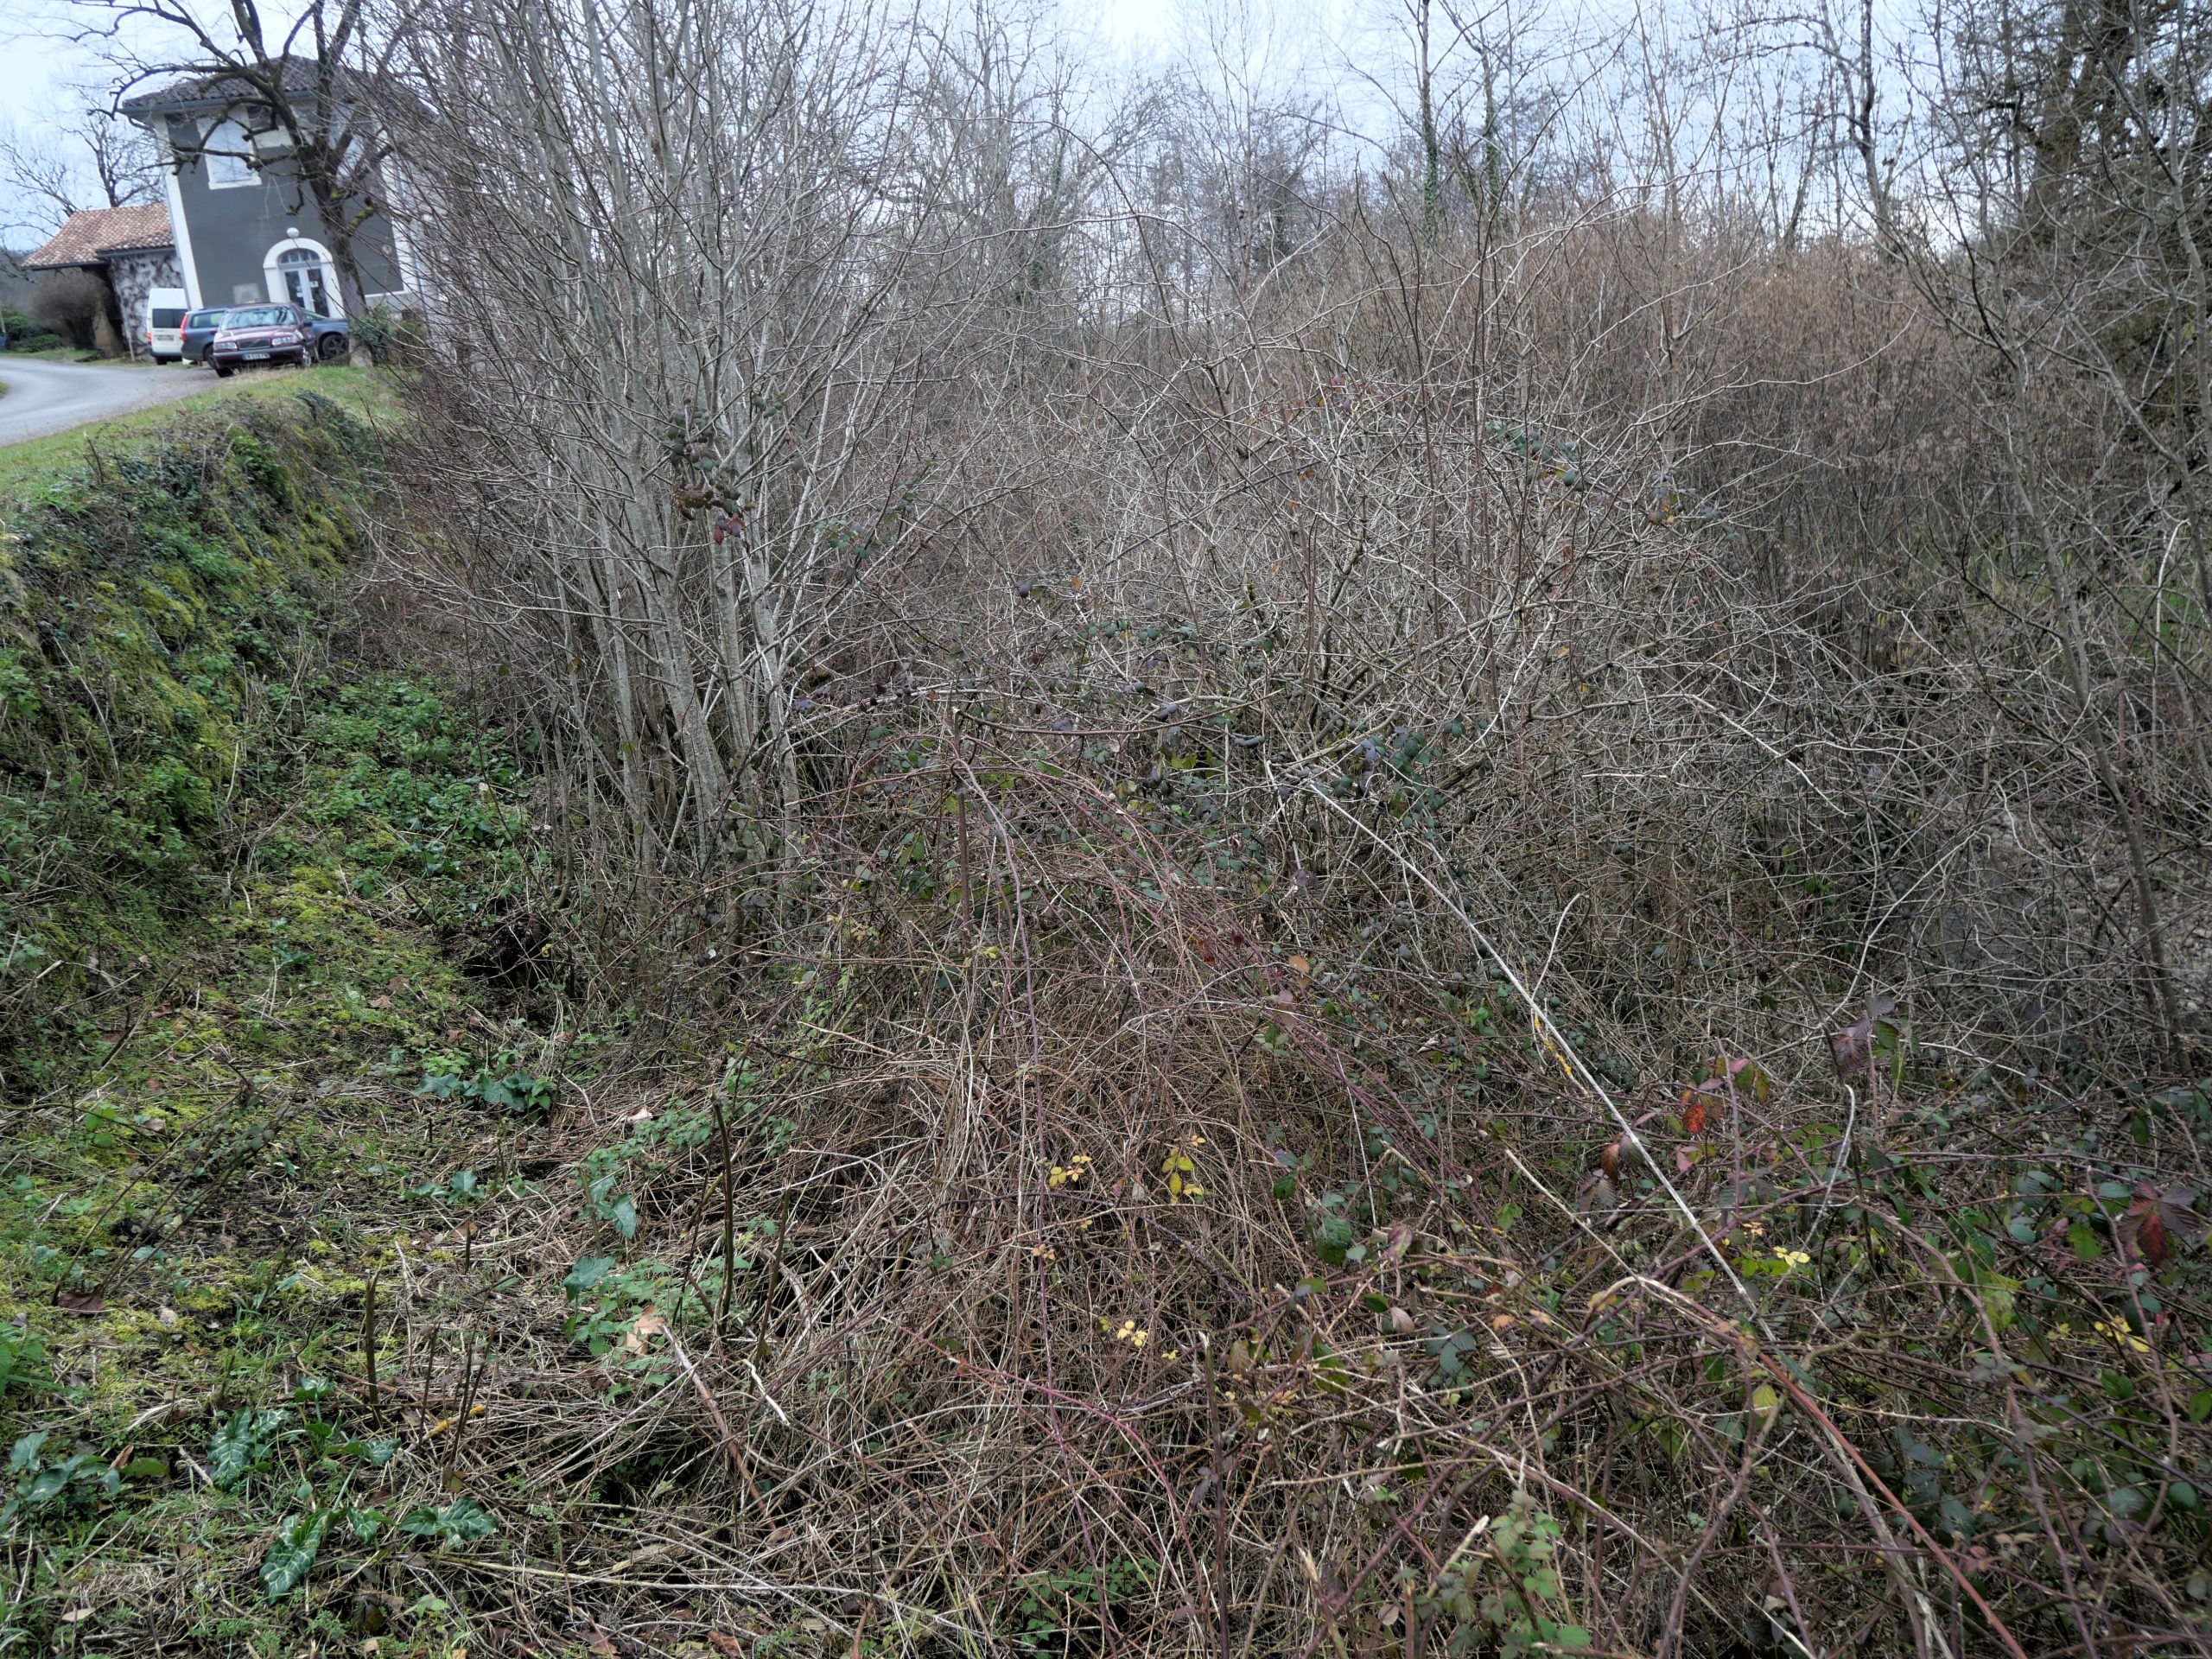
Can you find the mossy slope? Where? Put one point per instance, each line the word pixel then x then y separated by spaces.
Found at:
pixel 160 611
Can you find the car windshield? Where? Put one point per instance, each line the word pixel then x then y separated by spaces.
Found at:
pixel 203 319
pixel 167 319
pixel 258 316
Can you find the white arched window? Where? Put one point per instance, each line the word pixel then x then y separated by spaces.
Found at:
pixel 300 272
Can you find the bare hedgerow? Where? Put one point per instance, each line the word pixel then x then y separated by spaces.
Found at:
pixel 1469 934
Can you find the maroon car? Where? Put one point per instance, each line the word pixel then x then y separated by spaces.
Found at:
pixel 253 334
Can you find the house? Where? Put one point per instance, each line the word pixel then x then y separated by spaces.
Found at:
pixel 129 250
pixel 246 228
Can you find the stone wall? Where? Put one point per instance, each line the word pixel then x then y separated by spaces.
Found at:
pixel 133 276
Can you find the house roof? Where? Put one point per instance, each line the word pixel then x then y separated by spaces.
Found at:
pixel 88 238
pixel 222 88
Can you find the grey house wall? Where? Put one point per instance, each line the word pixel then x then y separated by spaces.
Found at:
pixel 234 228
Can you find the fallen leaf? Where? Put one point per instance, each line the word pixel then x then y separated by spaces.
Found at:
pixel 648 1324
pixel 1300 966
pixel 729 1644
pixel 79 1301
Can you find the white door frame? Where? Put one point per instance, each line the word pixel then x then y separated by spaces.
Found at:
pixel 273 273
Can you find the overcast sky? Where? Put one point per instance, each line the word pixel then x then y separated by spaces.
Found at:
pixel 39 68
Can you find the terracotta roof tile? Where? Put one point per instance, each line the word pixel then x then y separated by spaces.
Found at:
pixel 89 237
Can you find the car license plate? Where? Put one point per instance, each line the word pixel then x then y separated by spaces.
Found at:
pixel 253 357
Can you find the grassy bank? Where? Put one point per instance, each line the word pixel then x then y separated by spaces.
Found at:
pixel 27 467
pixel 242 875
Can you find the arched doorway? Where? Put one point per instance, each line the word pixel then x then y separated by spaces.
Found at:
pixel 301 273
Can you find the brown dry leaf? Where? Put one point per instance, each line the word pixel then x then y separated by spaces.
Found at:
pixel 729 1644
pixel 648 1324
pixel 79 1301
pixel 1300 966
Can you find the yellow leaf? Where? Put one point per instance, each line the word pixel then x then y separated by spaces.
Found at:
pixel 1765 1402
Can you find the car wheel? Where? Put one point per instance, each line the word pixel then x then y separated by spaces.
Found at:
pixel 208 357
pixel 224 370
pixel 331 347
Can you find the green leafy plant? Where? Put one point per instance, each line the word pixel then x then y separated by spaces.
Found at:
pixel 1052 1609
pixel 292 1552
pixel 460 1523
pixel 516 1092
pixel 1502 1589
pixel 45 1484
pixel 242 1445
pixel 23 1358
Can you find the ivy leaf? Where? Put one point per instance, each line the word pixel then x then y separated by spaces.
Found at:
pixel 586 1274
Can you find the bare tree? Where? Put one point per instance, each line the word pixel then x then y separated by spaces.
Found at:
pixel 92 159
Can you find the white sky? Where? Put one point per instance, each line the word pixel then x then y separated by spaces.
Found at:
pixel 38 66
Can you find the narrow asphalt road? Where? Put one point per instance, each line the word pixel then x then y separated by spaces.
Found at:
pixel 45 397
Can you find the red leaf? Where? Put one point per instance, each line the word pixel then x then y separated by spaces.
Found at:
pixel 1852 1048
pixel 2156 1222
pixel 2152 1242
pixel 1693 1115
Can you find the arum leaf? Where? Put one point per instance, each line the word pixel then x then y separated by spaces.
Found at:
pixel 292 1552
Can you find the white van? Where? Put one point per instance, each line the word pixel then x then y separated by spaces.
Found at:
pixel 165 309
